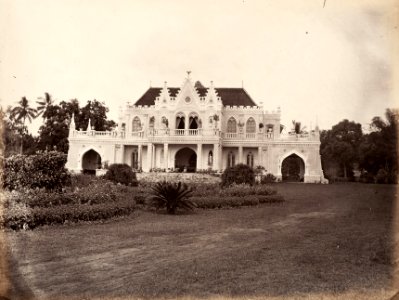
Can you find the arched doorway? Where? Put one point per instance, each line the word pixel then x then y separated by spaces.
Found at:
pixel 91 161
pixel 186 160
pixel 293 168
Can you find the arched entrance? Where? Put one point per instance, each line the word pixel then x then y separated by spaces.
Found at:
pixel 186 160
pixel 293 169
pixel 91 161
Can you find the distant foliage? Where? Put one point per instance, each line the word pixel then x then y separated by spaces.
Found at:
pixel 121 173
pixel 239 174
pixel 171 195
pixel 268 178
pixel 382 176
pixel 42 170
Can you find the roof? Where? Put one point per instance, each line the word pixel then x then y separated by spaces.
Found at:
pixel 229 96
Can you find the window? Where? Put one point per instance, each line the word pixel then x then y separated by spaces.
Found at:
pixel 152 122
pixel 135 159
pixel 136 126
pixel 210 159
pixel 251 125
pixel 231 159
pixel 231 125
pixel 250 159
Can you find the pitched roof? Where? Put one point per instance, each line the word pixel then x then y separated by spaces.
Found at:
pixel 229 96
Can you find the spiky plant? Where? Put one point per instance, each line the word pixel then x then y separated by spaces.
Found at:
pixel 171 195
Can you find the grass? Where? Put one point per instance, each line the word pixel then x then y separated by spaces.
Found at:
pixel 324 242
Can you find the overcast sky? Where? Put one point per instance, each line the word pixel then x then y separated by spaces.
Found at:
pixel 327 63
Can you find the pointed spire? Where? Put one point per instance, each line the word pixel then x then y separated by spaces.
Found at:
pixel 89 125
pixel 72 125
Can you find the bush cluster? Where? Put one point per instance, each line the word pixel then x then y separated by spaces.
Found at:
pixel 100 199
pixel 41 170
pixel 238 174
pixel 121 173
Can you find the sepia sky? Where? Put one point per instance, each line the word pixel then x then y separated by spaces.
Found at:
pixel 319 63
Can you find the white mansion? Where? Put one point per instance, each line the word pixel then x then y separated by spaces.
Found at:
pixel 196 128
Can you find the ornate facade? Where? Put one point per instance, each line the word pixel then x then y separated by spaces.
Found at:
pixel 195 128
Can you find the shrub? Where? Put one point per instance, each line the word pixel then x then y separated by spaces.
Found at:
pixel 382 176
pixel 121 173
pixel 366 178
pixel 171 195
pixel 238 174
pixel 41 170
pixel 268 178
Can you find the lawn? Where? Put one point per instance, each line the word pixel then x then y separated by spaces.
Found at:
pixel 324 242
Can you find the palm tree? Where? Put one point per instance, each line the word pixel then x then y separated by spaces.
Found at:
pixel 44 104
pixel 23 112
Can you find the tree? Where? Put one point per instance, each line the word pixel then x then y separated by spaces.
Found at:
pixel 43 105
pixel 378 149
pixel 23 112
pixel 54 132
pixel 340 146
pixel 297 128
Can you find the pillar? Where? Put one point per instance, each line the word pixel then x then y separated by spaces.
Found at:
pixel 121 158
pixel 240 158
pixel 149 156
pixel 216 157
pixel 154 157
pixel 139 153
pixel 199 156
pixel 166 156
pixel 260 156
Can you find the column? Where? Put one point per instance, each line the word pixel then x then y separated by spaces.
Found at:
pixel 122 154
pixel 216 157
pixel 260 156
pixel 154 156
pixel 240 158
pixel 199 156
pixel 166 156
pixel 149 156
pixel 139 153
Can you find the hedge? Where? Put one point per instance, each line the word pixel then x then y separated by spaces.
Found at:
pixel 61 214
pixel 226 202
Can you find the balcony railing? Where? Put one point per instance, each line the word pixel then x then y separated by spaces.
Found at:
pixel 187 133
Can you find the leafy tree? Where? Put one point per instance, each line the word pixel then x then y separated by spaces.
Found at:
pixel 54 132
pixel 378 149
pixel 21 113
pixel 340 146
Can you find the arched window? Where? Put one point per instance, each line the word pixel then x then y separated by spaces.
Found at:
pixel 135 159
pixel 251 125
pixel 250 159
pixel 136 126
pixel 152 122
pixel 231 159
pixel 232 125
pixel 210 159
pixel 180 121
